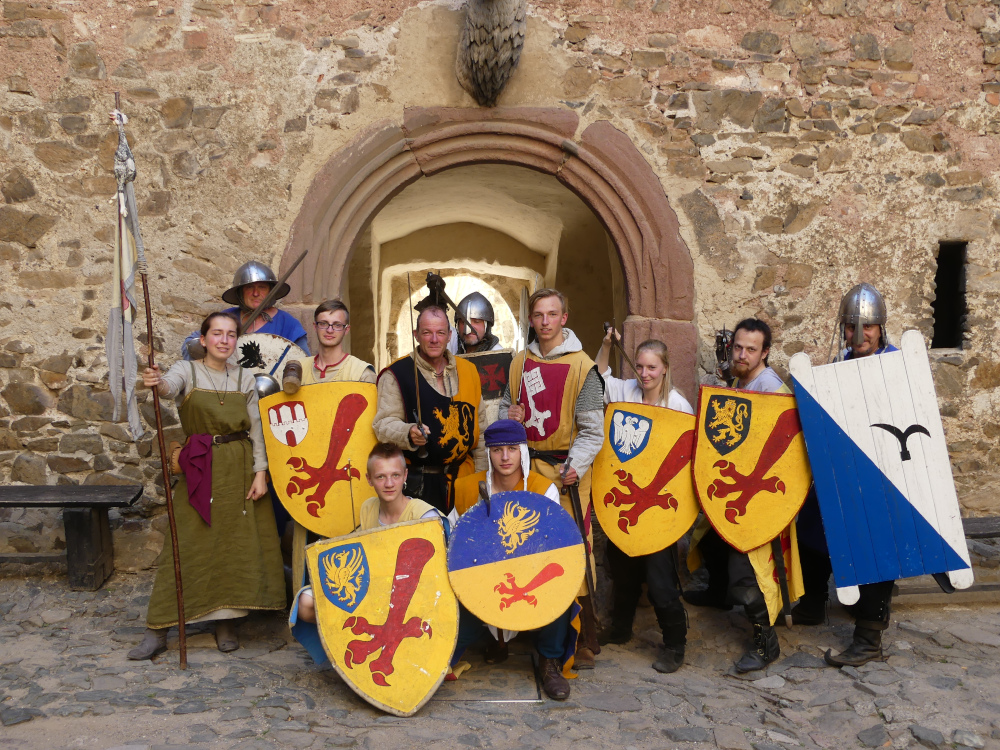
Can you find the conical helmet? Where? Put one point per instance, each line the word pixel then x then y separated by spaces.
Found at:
pixel 862 306
pixel 250 273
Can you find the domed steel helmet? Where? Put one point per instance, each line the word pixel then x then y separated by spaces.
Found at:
pixel 862 306
pixel 475 305
pixel 250 273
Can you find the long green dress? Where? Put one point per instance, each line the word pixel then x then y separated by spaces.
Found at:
pixel 236 562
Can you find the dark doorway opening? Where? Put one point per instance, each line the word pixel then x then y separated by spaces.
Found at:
pixel 949 303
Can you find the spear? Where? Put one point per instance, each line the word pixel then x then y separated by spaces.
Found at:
pixel 128 234
pixel 422 451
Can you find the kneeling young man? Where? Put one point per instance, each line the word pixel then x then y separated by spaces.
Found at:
pixel 508 470
pixel 386 474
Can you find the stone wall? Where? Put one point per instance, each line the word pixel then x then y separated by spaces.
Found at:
pixel 805 145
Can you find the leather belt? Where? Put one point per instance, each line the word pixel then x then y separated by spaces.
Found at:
pixel 552 458
pixel 232 436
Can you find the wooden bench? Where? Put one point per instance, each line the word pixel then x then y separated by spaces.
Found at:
pixel 89 556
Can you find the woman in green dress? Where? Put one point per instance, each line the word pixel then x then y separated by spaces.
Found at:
pixel 229 547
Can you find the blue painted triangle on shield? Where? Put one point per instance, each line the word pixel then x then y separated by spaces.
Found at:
pixel 871 507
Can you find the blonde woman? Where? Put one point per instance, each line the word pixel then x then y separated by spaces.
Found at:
pixel 653 387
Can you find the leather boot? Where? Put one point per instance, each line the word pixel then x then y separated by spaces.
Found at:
pixel 871 620
pixel 765 649
pixel 673 622
pixel 765 641
pixel 866 647
pixel 553 683
pixel 225 636
pixel 153 642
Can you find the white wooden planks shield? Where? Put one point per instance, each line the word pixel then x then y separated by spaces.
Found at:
pixel 880 463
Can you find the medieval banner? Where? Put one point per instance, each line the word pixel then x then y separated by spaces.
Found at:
pixel 387 617
pixel 516 563
pixel 750 468
pixel 318 442
pixel 643 494
pixel 880 462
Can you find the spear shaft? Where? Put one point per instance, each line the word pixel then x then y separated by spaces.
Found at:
pixel 182 639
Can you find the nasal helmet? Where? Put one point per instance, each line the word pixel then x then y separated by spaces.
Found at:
pixel 475 305
pixel 862 306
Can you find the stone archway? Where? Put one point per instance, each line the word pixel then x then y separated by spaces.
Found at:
pixel 602 167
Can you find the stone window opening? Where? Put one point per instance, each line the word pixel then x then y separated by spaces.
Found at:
pixel 949 305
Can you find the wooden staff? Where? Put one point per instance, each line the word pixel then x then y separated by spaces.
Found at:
pixel 621 349
pixel 141 264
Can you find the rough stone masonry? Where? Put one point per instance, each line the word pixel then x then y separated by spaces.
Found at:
pixel 805 145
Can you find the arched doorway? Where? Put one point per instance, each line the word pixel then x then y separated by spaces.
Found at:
pixel 602 168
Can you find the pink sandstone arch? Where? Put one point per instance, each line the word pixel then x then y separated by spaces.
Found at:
pixel 603 168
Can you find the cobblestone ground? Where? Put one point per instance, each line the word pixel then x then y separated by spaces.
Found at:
pixel 65 682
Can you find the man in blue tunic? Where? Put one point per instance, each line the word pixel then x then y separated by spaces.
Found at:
pixel 861 323
pixel 251 284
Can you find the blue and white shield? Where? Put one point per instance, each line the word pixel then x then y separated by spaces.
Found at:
pixel 344 575
pixel 629 434
pixel 881 469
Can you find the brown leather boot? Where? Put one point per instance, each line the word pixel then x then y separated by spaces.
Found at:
pixel 553 683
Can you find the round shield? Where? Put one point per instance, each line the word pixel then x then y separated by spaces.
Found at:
pixel 264 352
pixel 518 562
pixel 643 494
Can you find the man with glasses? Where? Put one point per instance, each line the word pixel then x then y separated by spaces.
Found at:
pixel 331 364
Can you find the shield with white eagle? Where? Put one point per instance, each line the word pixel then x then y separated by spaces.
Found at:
pixel 643 495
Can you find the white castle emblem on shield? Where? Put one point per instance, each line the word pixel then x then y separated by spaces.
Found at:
pixel 289 423
pixel 533 385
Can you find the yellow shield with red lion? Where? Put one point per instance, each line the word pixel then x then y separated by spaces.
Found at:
pixel 642 490
pixel 385 611
pixel 318 441
pixel 750 467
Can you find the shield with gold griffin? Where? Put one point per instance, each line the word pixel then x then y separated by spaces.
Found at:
pixel 318 442
pixel 516 562
pixel 643 495
pixel 750 467
pixel 387 616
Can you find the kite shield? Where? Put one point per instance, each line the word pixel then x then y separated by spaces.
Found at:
pixel 643 494
pixel 518 563
pixel 750 467
pixel 387 617
pixel 318 442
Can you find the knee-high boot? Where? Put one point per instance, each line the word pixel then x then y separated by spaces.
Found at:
pixel 673 622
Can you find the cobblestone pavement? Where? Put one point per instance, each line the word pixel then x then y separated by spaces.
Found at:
pixel 65 682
